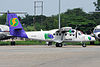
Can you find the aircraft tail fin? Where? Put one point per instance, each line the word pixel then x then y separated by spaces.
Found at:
pixel 15 26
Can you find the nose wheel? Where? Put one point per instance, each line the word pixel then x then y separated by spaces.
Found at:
pixel 59 44
pixel 83 45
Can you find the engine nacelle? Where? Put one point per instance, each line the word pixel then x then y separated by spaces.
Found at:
pixel 4 28
pixel 4 31
pixel 96 32
pixel 97 35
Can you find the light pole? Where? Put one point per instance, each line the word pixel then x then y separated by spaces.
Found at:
pixel 59 14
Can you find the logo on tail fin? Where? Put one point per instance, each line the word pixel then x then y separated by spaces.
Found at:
pixel 14 22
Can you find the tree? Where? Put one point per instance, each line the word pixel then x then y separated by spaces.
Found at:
pixel 3 19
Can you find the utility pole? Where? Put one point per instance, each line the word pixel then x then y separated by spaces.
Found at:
pixel 37 5
pixel 59 14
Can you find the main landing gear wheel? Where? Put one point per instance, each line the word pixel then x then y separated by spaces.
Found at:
pixel 12 43
pixel 83 45
pixel 49 43
pixel 59 45
pixel 91 43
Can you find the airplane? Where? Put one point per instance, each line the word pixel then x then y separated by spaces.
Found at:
pixel 4 32
pixel 65 34
pixel 96 32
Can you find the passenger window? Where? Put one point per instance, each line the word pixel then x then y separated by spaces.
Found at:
pixel 53 34
pixel 60 34
pixel 0 29
pixel 57 34
pixel 79 33
pixel 65 34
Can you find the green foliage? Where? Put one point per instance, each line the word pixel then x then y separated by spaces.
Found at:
pixel 97 5
pixel 27 20
pixel 42 43
pixel 3 19
pixel 71 18
pixel 23 43
pixel 29 43
pixel 4 43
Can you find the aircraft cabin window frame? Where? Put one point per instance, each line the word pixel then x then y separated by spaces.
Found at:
pixel 54 34
pixel 65 34
pixel 59 34
pixel 0 29
pixel 79 34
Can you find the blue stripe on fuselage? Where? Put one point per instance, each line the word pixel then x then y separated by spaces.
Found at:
pixel 96 31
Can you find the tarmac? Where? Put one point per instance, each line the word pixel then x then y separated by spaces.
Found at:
pixel 49 56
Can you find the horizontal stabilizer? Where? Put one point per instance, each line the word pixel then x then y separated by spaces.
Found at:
pixel 18 29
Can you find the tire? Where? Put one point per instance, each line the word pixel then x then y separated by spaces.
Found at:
pixel 50 43
pixel 83 45
pixel 58 44
pixel 91 43
pixel 12 43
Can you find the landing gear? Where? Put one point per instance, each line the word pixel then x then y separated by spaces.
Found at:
pixel 59 45
pixel 48 43
pixel 12 43
pixel 91 43
pixel 83 45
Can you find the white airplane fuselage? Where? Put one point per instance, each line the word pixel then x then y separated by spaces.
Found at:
pixel 68 37
pixel 96 32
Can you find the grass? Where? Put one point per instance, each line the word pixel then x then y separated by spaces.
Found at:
pixel 23 43
pixel 29 43
pixel 42 43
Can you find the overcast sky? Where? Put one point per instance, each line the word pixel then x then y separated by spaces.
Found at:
pixel 50 6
